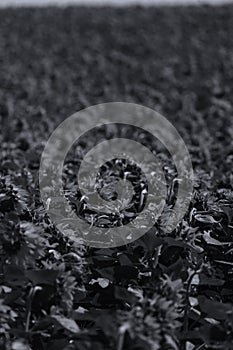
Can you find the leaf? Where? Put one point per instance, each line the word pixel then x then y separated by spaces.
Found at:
pixel 212 321
pixel 205 218
pixel 125 272
pixel 189 346
pixel 20 345
pixel 150 241
pixel 45 276
pixel 14 274
pixel 81 310
pixel 67 323
pixel 214 309
pixel 213 241
pixel 137 292
pixel 124 295
pixel 170 341
pixel 6 289
pixel 207 281
pixel 193 301
pixel 58 344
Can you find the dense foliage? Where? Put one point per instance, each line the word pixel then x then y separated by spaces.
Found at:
pixel 163 291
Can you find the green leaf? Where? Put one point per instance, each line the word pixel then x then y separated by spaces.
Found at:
pixel 45 276
pixel 214 309
pixel 67 323
pixel 213 241
pixel 205 218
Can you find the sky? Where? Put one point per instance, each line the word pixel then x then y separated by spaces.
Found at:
pixel 4 3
